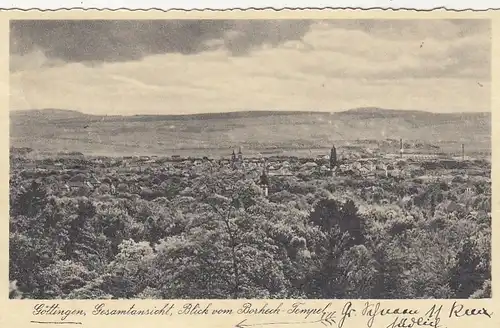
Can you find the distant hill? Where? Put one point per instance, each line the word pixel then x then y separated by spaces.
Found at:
pixel 54 130
pixel 46 114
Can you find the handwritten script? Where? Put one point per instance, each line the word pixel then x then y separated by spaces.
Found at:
pixel 275 313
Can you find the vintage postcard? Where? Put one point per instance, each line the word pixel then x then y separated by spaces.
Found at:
pixel 235 169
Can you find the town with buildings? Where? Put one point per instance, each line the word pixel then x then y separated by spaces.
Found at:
pixel 76 174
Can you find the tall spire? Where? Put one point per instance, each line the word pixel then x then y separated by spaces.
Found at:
pixel 333 157
pixel 233 157
pixel 240 154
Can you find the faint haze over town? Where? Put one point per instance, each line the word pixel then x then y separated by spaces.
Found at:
pixel 203 66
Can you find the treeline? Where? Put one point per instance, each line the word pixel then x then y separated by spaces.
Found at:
pixel 223 239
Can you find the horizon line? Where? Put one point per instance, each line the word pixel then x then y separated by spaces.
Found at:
pixel 273 111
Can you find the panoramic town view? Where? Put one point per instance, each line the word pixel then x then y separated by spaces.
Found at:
pixel 310 193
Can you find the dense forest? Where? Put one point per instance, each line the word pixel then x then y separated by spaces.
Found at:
pixel 204 230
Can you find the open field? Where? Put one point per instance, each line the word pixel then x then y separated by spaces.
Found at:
pixel 258 133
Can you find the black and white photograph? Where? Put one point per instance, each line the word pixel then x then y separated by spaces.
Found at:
pixel 250 159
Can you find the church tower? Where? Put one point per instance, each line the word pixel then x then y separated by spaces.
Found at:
pixel 333 158
pixel 240 155
pixel 233 159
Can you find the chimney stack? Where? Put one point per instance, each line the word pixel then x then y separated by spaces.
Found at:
pixel 401 148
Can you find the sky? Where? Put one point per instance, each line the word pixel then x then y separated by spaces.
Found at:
pixel 202 66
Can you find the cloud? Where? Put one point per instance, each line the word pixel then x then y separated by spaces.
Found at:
pixel 97 41
pixel 213 82
pixel 125 40
pixel 415 29
pixel 358 54
pixel 321 65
